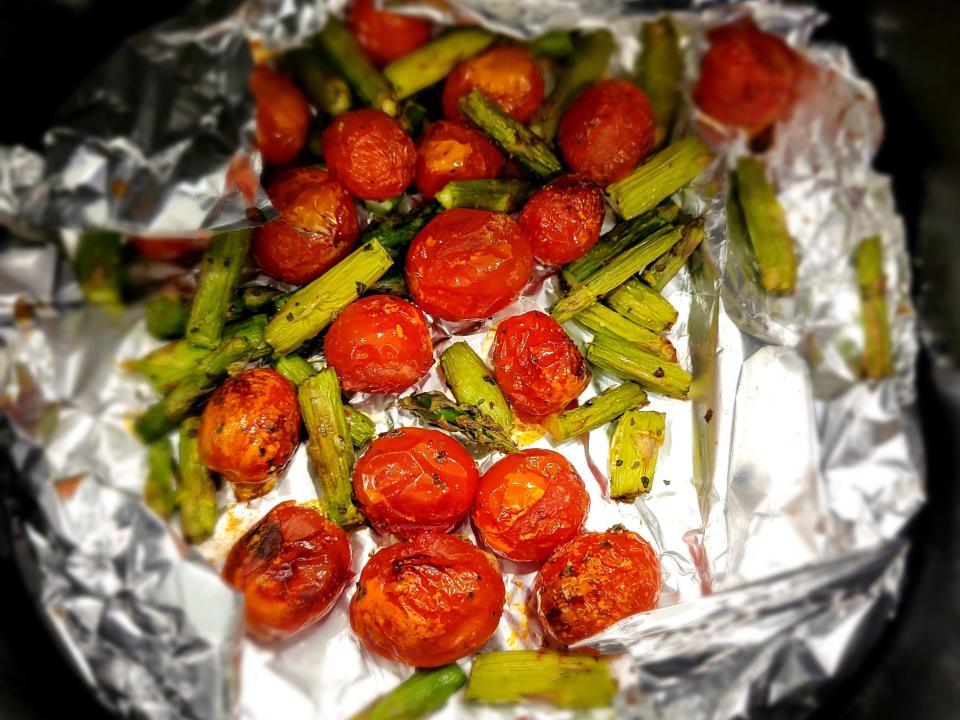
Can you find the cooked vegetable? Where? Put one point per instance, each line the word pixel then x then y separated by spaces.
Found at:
pixel 343 53
pixel 660 72
pixel 283 116
pixel 167 314
pixel 390 284
pixel 563 219
pixel 361 428
pixel 499 195
pixel 665 267
pixel 159 490
pixel 385 36
pixel 219 275
pixel 168 249
pixel 633 453
pixel 99 268
pixel 608 405
pixel 877 350
pixel 432 62
pixel 328 92
pixel 396 232
pixel 437 409
pixel 637 302
pixel 294 368
pixel 419 696
pixel 599 319
pixel 196 494
pixel 507 75
pixel 413 117
pixel 552 44
pixel 472 383
pixel 629 363
pixel 451 151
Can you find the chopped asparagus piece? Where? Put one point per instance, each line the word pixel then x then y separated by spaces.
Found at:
pixel 432 62
pixel 326 91
pixel 633 453
pixel 396 232
pixel 294 368
pixel 605 407
pixel 497 195
pixel 340 49
pixel 380 209
pixel 393 283
pixel 419 696
pixel 158 492
pixel 196 493
pixel 552 44
pixel 877 353
pixel 628 363
pixel 167 315
pixel 413 117
pixel 437 409
pixel 639 303
pixel 219 274
pixel 362 429
pixel 660 72
pixel 663 269
pixel 99 268
pixel 256 298
pixel 599 319
pixel 472 383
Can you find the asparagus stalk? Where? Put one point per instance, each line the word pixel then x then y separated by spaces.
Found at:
pixel 99 269
pixel 311 308
pixel 419 696
pixel 413 117
pixel 599 319
pixel 432 62
pixel 877 353
pixel 437 409
pixel 513 138
pixel 329 445
pixel 660 72
pixel 380 209
pixel 566 681
pixel 639 303
pixel 599 410
pixel 167 314
pixel 220 271
pixel 158 492
pixel 393 283
pixel 497 195
pixel 294 368
pixel 552 44
pixel 396 232
pixel 472 383
pixel 663 269
pixel 659 177
pixel 340 49
pixel 361 428
pixel 327 91
pixel 196 493
pixel 628 363
pixel 633 453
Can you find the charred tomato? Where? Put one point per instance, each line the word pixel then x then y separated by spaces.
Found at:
pixel 385 36
pixel 164 249
pixel 283 116
pixel 450 151
pixel 507 75
pixel 563 219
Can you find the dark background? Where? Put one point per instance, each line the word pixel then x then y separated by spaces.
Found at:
pixel 909 49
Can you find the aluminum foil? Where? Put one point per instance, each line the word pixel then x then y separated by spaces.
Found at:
pixel 782 487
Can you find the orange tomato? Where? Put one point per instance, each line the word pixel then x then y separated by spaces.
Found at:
pixel 451 151
pixel 283 116
pixel 385 36
pixel 508 75
pixel 563 219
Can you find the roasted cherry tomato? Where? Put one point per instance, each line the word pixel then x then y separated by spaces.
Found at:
pixel 607 131
pixel 379 344
pixel 316 229
pixel 451 150
pixel 368 151
pixel 595 580
pixel 283 116
pixel 536 365
pixel 428 601
pixel 291 567
pixel 563 219
pixel 508 75
pixel 385 36
pixel 250 428
pixel 528 503
pixel 467 264
pixel 164 249
pixel 414 480
pixel 748 78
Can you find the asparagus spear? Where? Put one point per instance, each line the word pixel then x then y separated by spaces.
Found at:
pixel 660 72
pixel 497 195
pixel 432 62
pixel 413 117
pixel 877 353
pixel 327 91
pixel 294 368
pixel 329 445
pixel 552 44
pixel 419 696
pixel 396 232
pixel 472 383
pixel 311 308
pixel 362 429
pixel 340 49
pixel 608 405
pixel 196 493
pixel 158 492
pixel 437 409
pixel 659 177
pixel 633 453
pixel 219 273
pixel 393 283
pixel 566 681
pixel 599 319
pixel 99 269
pixel 167 314
pixel 639 303
pixel 513 138
pixel 662 270
pixel 380 209
pixel 628 363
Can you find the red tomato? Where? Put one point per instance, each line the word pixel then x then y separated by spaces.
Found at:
pixel 451 151
pixel 316 229
pixel 291 567
pixel 528 503
pixel 368 151
pixel 428 601
pixel 563 219
pixel 748 77
pixel 467 264
pixel 536 365
pixel 595 580
pixel 163 249
pixel 607 131
pixel 283 116
pixel 413 480
pixel 508 75
pixel 379 344
pixel 385 36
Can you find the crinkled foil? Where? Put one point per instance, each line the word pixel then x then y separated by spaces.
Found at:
pixel 782 487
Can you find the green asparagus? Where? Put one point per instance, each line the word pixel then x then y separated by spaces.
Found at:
pixel 219 273
pixel 660 72
pixel 158 492
pixel 466 419
pixel 599 319
pixel 663 269
pixel 196 493
pixel 327 91
pixel 605 407
pixel 340 49
pixel 497 195
pixel 633 453
pixel 167 314
pixel 419 696
pixel 472 383
pixel 362 429
pixel 294 368
pixel 628 363
pixel 877 356
pixel 644 306
pixel 99 268
pixel 431 63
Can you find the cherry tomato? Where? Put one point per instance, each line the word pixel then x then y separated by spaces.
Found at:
pixel 291 567
pixel 595 580
pixel 164 249
pixel 316 229
pixel 283 116
pixel 607 131
pixel 385 36
pixel 428 601
pixel 368 151
pixel 250 428
pixel 563 219
pixel 748 77
pixel 528 503
pixel 379 344
pixel 467 264
pixel 508 75
pixel 450 151
pixel 536 365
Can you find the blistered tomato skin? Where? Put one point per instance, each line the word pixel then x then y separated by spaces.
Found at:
pixel 507 75
pixel 607 131
pixel 563 219
pixel 283 116
pixel 369 153
pixel 528 503
pixel 291 567
pixel 415 480
pixel 536 365
pixel 171 249
pixel 428 601
pixel 451 151
pixel 595 580
pixel 467 264
pixel 250 427
pixel 385 36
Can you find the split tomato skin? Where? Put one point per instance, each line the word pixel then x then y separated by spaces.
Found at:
pixel 385 36
pixel 468 264
pixel 168 249
pixel 415 480
pixel 450 150
pixel 369 153
pixel 607 131
pixel 563 219
pixel 283 116
pixel 595 580
pixel 536 365
pixel 428 601
pixel 508 75
pixel 528 503
pixel 291 567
